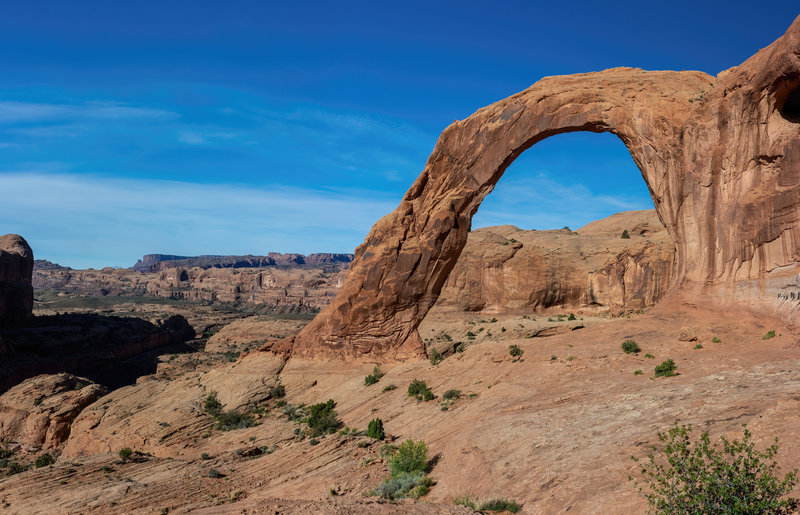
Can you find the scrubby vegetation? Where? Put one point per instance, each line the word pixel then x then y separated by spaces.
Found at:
pixel 769 335
pixel 226 420
pixel 125 453
pixel 630 347
pixel 451 395
pixel 322 418
pixel 420 390
pixel 715 340
pixel 389 387
pixel 515 351
pixel 44 460
pixel 374 377
pixel 496 505
pixel 436 357
pixel 375 429
pixel 278 391
pixel 686 476
pixel 666 369
pixel 408 465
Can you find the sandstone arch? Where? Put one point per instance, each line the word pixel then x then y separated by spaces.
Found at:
pixel 720 155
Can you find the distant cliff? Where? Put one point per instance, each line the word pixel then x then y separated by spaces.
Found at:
pixel 158 262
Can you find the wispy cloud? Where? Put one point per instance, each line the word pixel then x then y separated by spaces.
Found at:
pixel 18 112
pixel 82 220
pixel 540 202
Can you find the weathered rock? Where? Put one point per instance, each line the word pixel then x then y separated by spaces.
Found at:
pixel 720 155
pixel 16 269
pixel 39 411
pixel 506 269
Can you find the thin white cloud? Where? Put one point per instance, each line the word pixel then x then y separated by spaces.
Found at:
pixel 85 221
pixel 24 112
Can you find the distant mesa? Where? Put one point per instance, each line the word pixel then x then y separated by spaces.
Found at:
pixel 151 263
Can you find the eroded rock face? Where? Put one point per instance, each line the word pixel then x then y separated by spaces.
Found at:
pixel 39 411
pixel 16 269
pixel 720 155
pixel 506 269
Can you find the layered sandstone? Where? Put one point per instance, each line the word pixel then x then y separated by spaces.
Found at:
pixel 720 155
pixel 507 269
pixel 39 411
pixel 158 262
pixel 16 268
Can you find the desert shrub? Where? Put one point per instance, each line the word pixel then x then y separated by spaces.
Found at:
pixel 278 391
pixel 650 356
pixel 294 412
pixel 389 387
pixel 436 357
pixel 571 316
pixel 374 377
pixel 515 351
pixel 212 406
pixel 420 390
pixel 625 235
pixel 313 441
pixel 322 418
pixel 460 347
pixel 553 357
pixel 214 473
pixel 5 450
pixel 410 457
pixel 630 347
pixel 666 369
pixel 637 372
pixel 698 346
pixel 38 401
pixel 465 500
pixel 770 334
pixel 406 484
pixel 715 340
pixel 447 337
pixel 205 456
pixel 234 419
pixel 688 476
pixel 15 468
pixel 125 453
pixel 451 395
pixel 44 460
pixel 375 429
pixel 500 505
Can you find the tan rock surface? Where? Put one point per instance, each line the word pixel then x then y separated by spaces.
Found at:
pixel 39 411
pixel 16 268
pixel 719 155
pixel 506 269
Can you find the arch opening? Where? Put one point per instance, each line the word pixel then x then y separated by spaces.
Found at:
pixel 790 108
pixel 616 256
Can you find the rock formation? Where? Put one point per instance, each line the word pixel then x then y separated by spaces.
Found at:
pixel 16 269
pixel 39 411
pixel 720 155
pixel 507 270
pixel 158 262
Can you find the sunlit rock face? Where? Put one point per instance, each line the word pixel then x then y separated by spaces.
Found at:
pixel 720 155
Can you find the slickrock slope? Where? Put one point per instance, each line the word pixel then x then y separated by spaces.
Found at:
pixel 39 411
pixel 720 155
pixel 506 269
pixel 16 268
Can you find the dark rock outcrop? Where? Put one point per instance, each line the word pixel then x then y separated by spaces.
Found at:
pixel 16 270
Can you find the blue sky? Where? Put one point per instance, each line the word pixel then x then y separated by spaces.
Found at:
pixel 247 127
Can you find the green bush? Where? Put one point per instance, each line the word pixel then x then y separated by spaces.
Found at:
pixel 125 453
pixel 406 484
pixel 436 357
pixel 698 477
pixel 770 334
pixel 625 235
pixel 15 468
pixel 650 356
pixel 698 346
pixel 205 456
pixel 233 419
pixel 515 351
pixel 666 369
pixel 322 418
pixel 44 460
pixel 715 340
pixel 500 505
pixel 278 391
pixel 571 317
pixel 214 473
pixel 420 390
pixel 460 347
pixel 389 387
pixel 451 395
pixel 410 457
pixel 212 406
pixel 375 429
pixel 374 377
pixel 637 372
pixel 630 347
